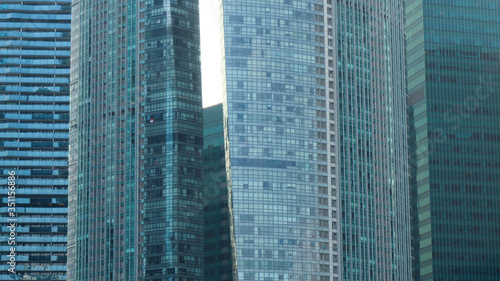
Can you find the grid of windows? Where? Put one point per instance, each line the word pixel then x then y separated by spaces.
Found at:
pixel 34 105
pixel 102 183
pixel 372 140
pixel 453 52
pixel 219 243
pixel 171 201
pixel 136 141
pixel 315 131
pixel 275 118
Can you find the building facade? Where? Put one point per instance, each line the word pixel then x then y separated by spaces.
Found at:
pixel 315 136
pixel 34 116
pixel 373 147
pixel 219 245
pixel 136 140
pixel 453 57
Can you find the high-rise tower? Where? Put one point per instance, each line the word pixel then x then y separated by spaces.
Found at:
pixel 453 57
pixel 315 132
pixel 34 116
pixel 136 140
pixel 219 248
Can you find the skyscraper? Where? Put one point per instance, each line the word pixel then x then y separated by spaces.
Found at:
pixel 453 51
pixel 34 116
pixel 316 143
pixel 136 136
pixel 219 247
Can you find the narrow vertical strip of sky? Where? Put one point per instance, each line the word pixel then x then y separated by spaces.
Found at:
pixel 210 52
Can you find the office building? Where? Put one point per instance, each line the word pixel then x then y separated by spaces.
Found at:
pixel 219 248
pixel 453 57
pixel 316 142
pixel 34 116
pixel 136 140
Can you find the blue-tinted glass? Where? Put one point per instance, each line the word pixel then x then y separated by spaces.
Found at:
pixel 315 132
pixel 34 105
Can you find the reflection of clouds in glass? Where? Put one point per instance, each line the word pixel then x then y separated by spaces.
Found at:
pixel 210 52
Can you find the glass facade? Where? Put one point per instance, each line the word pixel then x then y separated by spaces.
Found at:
pixel 372 133
pixel 219 246
pixel 453 64
pixel 315 133
pixel 34 116
pixel 136 140
pixel 277 149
